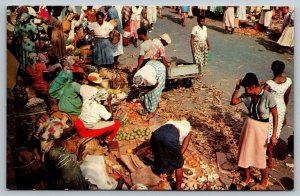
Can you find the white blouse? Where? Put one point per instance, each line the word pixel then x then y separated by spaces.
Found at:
pixel 148 73
pixel 184 128
pixel 103 30
pixel 199 33
pixel 136 13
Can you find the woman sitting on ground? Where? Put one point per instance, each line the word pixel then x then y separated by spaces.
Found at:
pixel 96 119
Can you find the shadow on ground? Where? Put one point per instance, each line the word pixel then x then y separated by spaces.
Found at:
pixel 219 29
pixel 176 20
pixel 269 45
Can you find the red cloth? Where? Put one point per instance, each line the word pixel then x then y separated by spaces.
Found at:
pixel 84 132
pixel 43 13
pixel 39 84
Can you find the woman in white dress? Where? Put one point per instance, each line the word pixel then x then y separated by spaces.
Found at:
pixel 287 36
pixel 151 15
pixel 280 87
pixel 228 19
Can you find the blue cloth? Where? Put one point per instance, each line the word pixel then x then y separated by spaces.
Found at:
pixel 185 9
pixel 113 14
pixel 151 99
pixel 103 51
pixel 166 149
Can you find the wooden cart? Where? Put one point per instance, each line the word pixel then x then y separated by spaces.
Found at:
pixel 182 73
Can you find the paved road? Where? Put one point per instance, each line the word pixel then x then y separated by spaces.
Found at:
pixel 233 56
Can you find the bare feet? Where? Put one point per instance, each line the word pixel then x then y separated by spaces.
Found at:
pixel 150 115
pixel 243 185
pixel 259 187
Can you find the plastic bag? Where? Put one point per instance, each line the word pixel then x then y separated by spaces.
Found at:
pixel 94 170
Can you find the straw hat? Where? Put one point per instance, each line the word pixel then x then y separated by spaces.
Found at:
pixel 166 37
pixel 95 77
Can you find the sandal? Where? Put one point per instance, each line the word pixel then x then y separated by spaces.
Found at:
pixel 243 186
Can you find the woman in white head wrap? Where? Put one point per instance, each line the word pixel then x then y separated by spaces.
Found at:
pixel 151 79
pixel 96 119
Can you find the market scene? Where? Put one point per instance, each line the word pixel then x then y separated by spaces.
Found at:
pixel 150 98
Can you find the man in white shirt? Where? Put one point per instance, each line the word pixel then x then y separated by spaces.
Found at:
pixel 144 56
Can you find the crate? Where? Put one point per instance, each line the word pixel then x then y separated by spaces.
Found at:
pixel 183 70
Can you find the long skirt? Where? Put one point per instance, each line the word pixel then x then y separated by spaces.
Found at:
pixel 281 110
pixel 228 18
pixel 253 144
pixel 151 14
pixel 151 99
pixel 241 13
pixel 165 146
pixel 201 53
pixel 118 48
pixel 287 37
pixel 103 52
pixel 97 129
pixel 266 18
pixel 134 25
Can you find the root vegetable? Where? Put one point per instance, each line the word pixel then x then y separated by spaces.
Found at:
pixel 195 185
pixel 190 184
pixel 182 185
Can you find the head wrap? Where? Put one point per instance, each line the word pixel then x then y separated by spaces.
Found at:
pixel 24 17
pixel 32 58
pixel 138 80
pixel 101 95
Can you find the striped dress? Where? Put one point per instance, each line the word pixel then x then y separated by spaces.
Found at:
pixel 151 99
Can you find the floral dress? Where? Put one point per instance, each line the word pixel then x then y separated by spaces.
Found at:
pixel 278 90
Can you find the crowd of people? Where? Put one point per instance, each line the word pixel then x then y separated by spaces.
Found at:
pixel 45 38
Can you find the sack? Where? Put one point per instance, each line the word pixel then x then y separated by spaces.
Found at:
pixel 115 37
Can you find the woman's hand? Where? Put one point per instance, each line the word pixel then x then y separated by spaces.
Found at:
pixel 238 84
pixel 111 34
